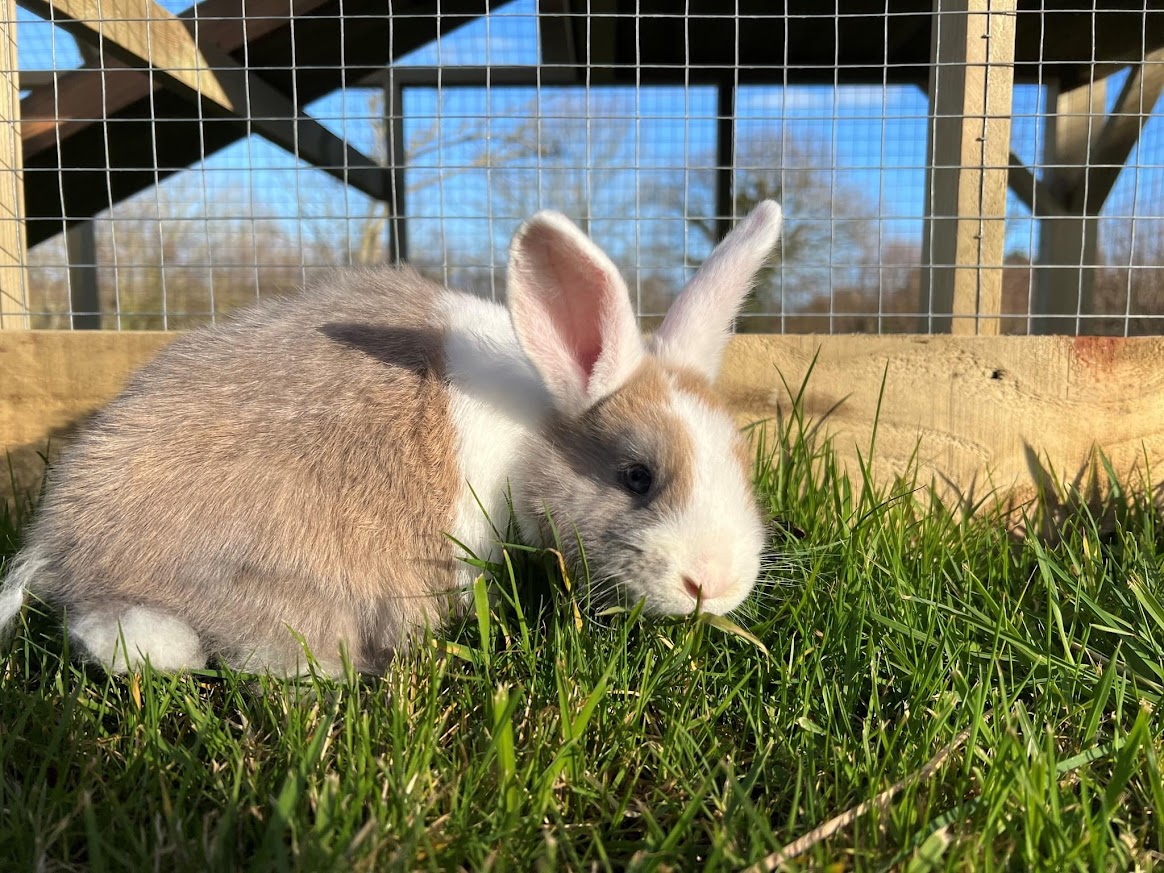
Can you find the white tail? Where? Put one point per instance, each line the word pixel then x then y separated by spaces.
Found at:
pixel 24 567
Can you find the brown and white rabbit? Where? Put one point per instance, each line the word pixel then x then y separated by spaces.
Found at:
pixel 307 465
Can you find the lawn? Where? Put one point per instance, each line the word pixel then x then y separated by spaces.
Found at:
pixel 917 689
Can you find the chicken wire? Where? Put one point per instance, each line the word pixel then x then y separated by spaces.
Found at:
pixel 479 127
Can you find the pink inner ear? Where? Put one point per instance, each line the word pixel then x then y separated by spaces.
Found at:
pixel 574 306
pixel 571 311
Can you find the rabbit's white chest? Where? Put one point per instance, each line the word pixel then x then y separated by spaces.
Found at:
pixel 495 399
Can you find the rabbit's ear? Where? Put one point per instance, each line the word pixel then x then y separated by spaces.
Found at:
pixel 571 311
pixel 696 329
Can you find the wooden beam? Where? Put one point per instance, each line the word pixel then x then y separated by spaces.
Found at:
pixel 725 156
pixel 397 150
pixel 13 252
pixel 971 80
pixel 33 79
pixel 556 30
pixel 598 30
pixel 143 34
pixel 1005 410
pixel 1076 115
pixel 86 97
pixel 1120 132
pixel 1035 194
pixel 163 133
pixel 1068 243
pixel 84 289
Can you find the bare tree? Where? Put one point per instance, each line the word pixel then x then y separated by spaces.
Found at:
pixel 557 150
pixel 828 257
pixel 169 257
pixel 179 255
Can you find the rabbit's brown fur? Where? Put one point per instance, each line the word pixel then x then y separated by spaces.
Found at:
pixel 350 484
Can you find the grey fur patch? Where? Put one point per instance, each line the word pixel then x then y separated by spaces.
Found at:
pixel 572 471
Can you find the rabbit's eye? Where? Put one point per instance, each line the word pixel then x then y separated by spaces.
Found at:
pixel 637 479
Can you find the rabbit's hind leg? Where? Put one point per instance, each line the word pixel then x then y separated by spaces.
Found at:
pixel 107 636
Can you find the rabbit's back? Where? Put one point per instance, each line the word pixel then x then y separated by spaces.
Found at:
pixel 295 467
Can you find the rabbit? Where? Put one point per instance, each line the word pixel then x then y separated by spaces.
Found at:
pixel 310 470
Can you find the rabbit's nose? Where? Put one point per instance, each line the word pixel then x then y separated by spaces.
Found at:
pixel 707 587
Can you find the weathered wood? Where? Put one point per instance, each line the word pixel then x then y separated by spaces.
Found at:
pixel 1068 243
pixel 143 34
pixel 975 413
pixel 13 287
pixel 980 415
pixel 971 79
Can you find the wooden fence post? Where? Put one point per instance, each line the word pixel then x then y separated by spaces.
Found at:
pixel 13 277
pixel 964 237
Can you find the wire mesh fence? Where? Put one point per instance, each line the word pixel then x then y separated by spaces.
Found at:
pixel 162 190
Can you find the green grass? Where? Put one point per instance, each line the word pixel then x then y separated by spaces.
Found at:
pixel 539 736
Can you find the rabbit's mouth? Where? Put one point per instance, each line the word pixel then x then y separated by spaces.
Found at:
pixel 681 593
pixel 678 567
pixel 673 590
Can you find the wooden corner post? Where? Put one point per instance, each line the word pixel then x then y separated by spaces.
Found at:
pixel 1085 148
pixel 964 236
pixel 1068 243
pixel 13 285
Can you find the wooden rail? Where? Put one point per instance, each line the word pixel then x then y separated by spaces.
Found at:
pixel 977 414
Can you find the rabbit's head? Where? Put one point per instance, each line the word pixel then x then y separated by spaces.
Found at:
pixel 639 460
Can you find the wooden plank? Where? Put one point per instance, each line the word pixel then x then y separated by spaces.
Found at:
pixel 1120 132
pixel 1068 244
pixel 54 380
pixel 1076 114
pixel 13 278
pixel 981 413
pixel 971 79
pixel 143 34
pixel 86 97
pixel 977 413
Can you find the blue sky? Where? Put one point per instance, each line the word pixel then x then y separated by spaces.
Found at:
pixel 869 144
